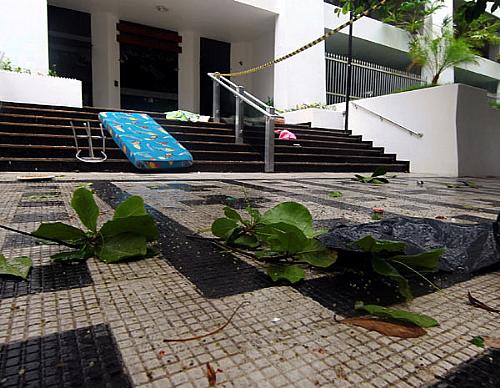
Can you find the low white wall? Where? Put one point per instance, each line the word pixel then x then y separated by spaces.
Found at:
pixel 431 112
pixel 40 89
pixel 319 118
pixel 478 127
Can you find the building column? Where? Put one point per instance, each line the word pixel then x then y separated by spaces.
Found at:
pixel 299 79
pixel 433 25
pixel 105 60
pixel 189 72
pixel 24 38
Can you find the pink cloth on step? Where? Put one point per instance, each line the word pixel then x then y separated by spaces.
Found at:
pixel 285 134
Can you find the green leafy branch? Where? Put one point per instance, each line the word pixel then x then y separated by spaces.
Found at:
pixel 129 234
pixel 377 177
pixel 387 258
pixel 283 237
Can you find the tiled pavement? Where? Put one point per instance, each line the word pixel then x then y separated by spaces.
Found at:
pixel 98 325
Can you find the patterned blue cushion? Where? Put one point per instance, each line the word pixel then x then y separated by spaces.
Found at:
pixel 147 145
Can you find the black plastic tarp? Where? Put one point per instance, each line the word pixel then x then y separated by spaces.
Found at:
pixel 469 248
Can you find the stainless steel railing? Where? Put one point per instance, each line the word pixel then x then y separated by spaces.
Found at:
pixel 382 118
pixel 242 96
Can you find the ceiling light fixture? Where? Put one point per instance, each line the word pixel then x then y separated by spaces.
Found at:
pixel 161 8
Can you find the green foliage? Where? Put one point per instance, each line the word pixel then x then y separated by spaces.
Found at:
pixel 421 320
pixel 283 236
pixel 409 15
pixel 335 194
pixel 478 32
pixel 440 52
pixel 316 105
pixel 125 236
pixel 17 266
pixel 478 341
pixel 475 8
pixel 414 87
pixel 377 178
pixel 387 257
pixel 290 273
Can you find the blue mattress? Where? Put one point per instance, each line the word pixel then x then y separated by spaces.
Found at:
pixel 147 145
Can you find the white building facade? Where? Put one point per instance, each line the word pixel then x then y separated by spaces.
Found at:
pixel 153 54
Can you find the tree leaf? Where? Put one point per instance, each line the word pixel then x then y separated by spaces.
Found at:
pixel 211 376
pixel 391 329
pixel 254 214
pixel 224 228
pixel 478 341
pixel 132 206
pixel 425 261
pixel 17 266
pixel 290 273
pixel 247 241
pixel 379 171
pixel 59 231
pixel 291 213
pixel 378 181
pixel 369 244
pixel 335 194
pixel 383 268
pixel 84 204
pixel 137 225
pixel 122 246
pixel 317 255
pixel 421 320
pixel 283 237
pixel 82 254
pixel 232 214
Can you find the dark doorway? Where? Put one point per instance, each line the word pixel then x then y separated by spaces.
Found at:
pixel 70 47
pixel 148 67
pixel 214 56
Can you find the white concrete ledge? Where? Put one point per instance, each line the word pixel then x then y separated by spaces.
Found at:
pixel 319 118
pixel 40 89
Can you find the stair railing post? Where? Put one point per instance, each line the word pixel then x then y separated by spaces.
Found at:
pixel 269 141
pixel 216 101
pixel 238 127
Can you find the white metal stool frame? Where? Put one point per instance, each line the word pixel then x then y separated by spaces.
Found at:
pixel 90 138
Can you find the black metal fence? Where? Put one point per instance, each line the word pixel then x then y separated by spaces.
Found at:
pixel 368 79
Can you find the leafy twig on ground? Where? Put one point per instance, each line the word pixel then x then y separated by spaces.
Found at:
pixel 212 332
pixel 477 303
pixel 127 235
pixel 335 194
pixel 385 254
pixel 421 320
pixel 283 236
pixel 377 177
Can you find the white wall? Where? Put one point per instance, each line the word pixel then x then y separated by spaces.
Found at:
pixel 189 72
pixel 431 112
pixel 300 79
pixel 105 60
pixel 24 33
pixel 245 55
pixel 478 128
pixel 40 89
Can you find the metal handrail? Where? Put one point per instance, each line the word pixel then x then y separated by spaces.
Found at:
pixel 249 98
pixel 411 132
pixel 241 96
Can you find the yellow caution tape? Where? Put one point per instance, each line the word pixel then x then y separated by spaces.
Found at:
pixel 303 48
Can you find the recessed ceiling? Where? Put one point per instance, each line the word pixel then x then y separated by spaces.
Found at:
pixel 225 20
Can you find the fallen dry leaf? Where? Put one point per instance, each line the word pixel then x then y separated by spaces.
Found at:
pixel 492 342
pixel 477 303
pixel 391 329
pixel 211 375
pixel 441 218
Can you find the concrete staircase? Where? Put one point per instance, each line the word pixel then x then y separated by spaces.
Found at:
pixel 39 138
